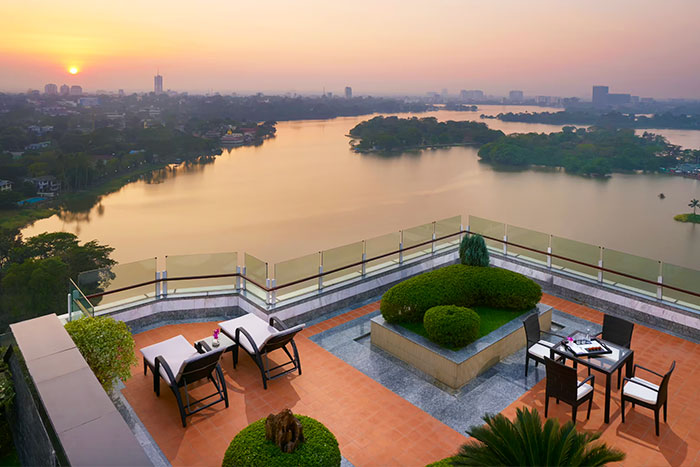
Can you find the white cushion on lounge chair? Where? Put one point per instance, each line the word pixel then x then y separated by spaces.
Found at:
pixel 582 390
pixel 541 349
pixel 258 329
pixel 174 351
pixel 640 392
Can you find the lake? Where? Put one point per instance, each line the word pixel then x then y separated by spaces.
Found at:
pixel 306 191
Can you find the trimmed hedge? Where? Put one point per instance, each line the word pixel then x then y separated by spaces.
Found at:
pixel 460 285
pixel 451 326
pixel 249 447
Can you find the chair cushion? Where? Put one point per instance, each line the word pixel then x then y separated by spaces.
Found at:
pixel 174 351
pixel 258 329
pixel 583 390
pixel 639 392
pixel 541 349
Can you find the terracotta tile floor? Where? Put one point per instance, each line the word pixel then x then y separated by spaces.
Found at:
pixel 376 427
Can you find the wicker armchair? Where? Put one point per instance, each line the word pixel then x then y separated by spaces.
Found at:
pixel 563 384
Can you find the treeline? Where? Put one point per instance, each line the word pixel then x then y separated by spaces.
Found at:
pixel 393 133
pixel 607 120
pixel 597 151
pixel 34 272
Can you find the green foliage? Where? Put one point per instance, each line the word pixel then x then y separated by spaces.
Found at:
pixel 107 345
pixel 692 218
pixel 250 448
pixel 33 288
pixel 596 151
pixel 473 252
pixel 392 133
pixel 527 442
pixel 451 326
pixel 460 285
pixel 447 462
pixel 7 397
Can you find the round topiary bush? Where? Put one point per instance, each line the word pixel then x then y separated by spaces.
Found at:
pixel 473 252
pixel 451 326
pixel 250 448
pixel 459 285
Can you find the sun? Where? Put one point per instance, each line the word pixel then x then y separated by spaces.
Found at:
pixel 73 70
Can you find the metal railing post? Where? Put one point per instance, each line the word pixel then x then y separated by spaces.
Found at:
pixel 243 281
pixel 549 253
pixel 238 279
pixel 70 306
pixel 505 245
pixel 660 280
pixel 364 258
pixel 432 245
pixel 158 287
pixel 274 292
pixel 600 265
pixel 268 294
pixel 320 277
pixel 400 246
pixel 164 284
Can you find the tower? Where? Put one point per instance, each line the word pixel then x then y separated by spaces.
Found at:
pixel 600 95
pixel 158 84
pixel 348 92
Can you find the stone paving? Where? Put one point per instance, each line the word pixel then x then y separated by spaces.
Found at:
pixel 385 413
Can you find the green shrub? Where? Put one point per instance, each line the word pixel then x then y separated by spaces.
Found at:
pixel 460 285
pixel 250 448
pixel 473 252
pixel 446 462
pixel 7 398
pixel 107 345
pixel 451 326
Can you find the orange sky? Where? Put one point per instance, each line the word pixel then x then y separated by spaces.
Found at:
pixel 557 47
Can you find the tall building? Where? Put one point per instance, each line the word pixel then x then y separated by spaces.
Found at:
pixel 158 84
pixel 600 95
pixel 51 89
pixel 65 90
pixel 348 92
pixel 121 93
pixel 76 90
pixel 471 95
pixel 515 96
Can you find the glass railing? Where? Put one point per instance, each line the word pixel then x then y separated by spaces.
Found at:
pixel 490 229
pixel 132 283
pixel 530 239
pixel 337 258
pixel 201 265
pixel 256 270
pixel 126 275
pixel 293 270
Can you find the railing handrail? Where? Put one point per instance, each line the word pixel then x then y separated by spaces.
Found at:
pixel 384 255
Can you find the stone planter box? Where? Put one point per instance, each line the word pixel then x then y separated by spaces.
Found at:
pixel 455 368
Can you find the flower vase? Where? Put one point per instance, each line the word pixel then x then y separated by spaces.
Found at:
pixel 215 343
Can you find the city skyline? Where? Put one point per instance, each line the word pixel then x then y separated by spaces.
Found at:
pixel 544 48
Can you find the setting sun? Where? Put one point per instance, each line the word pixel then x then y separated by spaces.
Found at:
pixel 73 70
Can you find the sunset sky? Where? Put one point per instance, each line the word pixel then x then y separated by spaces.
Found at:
pixel 552 47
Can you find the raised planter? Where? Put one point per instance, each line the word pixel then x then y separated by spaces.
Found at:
pixel 455 368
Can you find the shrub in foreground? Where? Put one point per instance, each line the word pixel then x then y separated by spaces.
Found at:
pixel 451 326
pixel 250 448
pixel 473 252
pixel 107 345
pixel 527 442
pixel 460 285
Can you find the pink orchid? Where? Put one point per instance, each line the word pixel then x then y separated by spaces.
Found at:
pixel 216 333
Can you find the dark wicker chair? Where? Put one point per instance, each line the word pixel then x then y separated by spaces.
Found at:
pixel 179 364
pixel 619 332
pixel 563 384
pixel 259 338
pixel 537 349
pixel 647 394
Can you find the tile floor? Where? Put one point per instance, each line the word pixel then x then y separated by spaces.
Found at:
pixel 376 426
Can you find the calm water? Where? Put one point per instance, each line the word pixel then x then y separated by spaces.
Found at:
pixel 305 191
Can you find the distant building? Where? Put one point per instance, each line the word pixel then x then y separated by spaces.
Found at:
pixel 348 92
pixel 158 84
pixel 5 185
pixel 51 89
pixel 46 185
pixel 65 90
pixel 600 95
pixel 37 146
pixel 619 99
pixel 76 90
pixel 471 95
pixel 121 93
pixel 515 96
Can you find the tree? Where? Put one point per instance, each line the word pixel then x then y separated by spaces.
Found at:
pixel 473 252
pixel 527 442
pixel 34 288
pixel 694 203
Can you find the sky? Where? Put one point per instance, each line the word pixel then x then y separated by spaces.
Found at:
pixel 543 47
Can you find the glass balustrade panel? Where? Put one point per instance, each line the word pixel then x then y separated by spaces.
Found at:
pixel 117 277
pixel 386 246
pixel 530 239
pixel 293 270
pixel 447 227
pixel 340 257
pixel 488 228
pixel 201 265
pixel 683 278
pixel 637 266
pixel 577 251
pixel 257 274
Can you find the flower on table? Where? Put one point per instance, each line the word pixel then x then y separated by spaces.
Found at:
pixel 216 333
pixel 569 339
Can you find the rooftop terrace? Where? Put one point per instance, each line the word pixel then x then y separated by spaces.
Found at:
pixel 384 413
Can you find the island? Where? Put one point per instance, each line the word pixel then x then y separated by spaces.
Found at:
pixel 692 217
pixel 592 152
pixel 400 134
pixel 613 119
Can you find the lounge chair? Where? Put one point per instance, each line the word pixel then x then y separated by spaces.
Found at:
pixel 179 364
pixel 259 337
